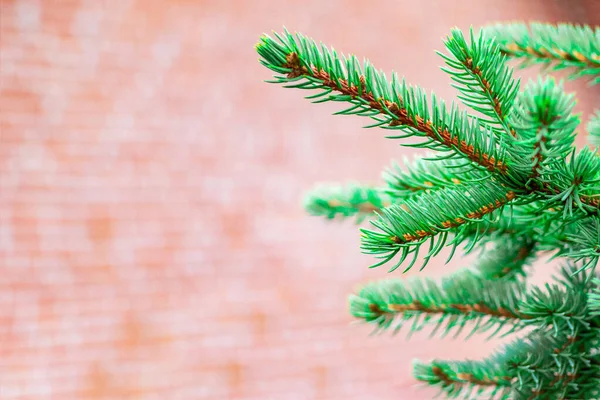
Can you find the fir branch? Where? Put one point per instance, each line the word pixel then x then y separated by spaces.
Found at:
pixel 485 82
pixel 458 299
pixel 507 259
pixel 582 243
pixel 557 46
pixel 394 105
pixel 593 129
pixel 545 124
pixel 533 362
pixel 346 201
pixel 404 227
pixel 426 174
pixel 573 183
pixel 562 310
pixel 510 223
pixel 594 299
pixel 460 379
pixel 566 356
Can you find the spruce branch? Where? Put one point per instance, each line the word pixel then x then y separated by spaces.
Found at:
pixel 535 364
pixel 582 242
pixel 573 184
pixel 540 365
pixel 461 379
pixel 593 128
pixel 346 201
pixel 404 227
pixel 594 299
pixel 484 80
pixel 393 105
pixel 457 300
pixel 562 310
pixel 426 174
pixel 545 124
pixel 507 259
pixel 556 46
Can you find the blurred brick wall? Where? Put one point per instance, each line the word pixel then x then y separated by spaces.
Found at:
pixel 152 241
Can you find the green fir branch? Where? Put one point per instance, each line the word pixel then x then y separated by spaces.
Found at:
pixel 573 183
pixel 562 46
pixel 582 243
pixel 507 259
pixel 593 129
pixel 537 366
pixel 564 311
pixel 404 227
pixel 465 378
pixel 346 201
pixel 594 299
pixel 426 174
pixel 451 304
pixel 546 126
pixel 484 80
pixel 300 63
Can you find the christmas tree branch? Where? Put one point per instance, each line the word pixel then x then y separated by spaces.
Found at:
pixel 556 46
pixel 593 128
pixel 459 379
pixel 507 259
pixel 545 125
pixel 426 174
pixel 540 366
pixel 346 201
pixel 404 227
pixel 458 299
pixel 574 183
pixel 594 299
pixel 551 307
pixel 485 82
pixel 393 105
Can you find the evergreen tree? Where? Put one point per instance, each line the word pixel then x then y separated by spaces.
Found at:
pixel 501 175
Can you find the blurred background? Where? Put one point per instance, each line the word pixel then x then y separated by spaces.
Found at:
pixel 153 243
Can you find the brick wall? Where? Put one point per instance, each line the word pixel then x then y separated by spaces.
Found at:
pixel 152 240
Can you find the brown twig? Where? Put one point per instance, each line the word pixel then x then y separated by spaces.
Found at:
pixel 480 308
pixel 516 50
pixel 469 378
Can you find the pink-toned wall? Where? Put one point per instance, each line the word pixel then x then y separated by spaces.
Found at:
pixel 152 240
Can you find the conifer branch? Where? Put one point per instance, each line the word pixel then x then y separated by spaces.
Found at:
pixel 532 361
pixel 426 174
pixel 563 311
pixel 460 379
pixel 545 125
pixel 483 78
pixel 346 201
pixel 458 299
pixel 556 46
pixel 594 299
pixel 574 183
pixel 593 128
pixel 404 227
pixel 392 105
pixel 581 242
pixel 507 259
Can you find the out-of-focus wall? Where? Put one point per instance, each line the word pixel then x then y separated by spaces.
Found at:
pixel 152 240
